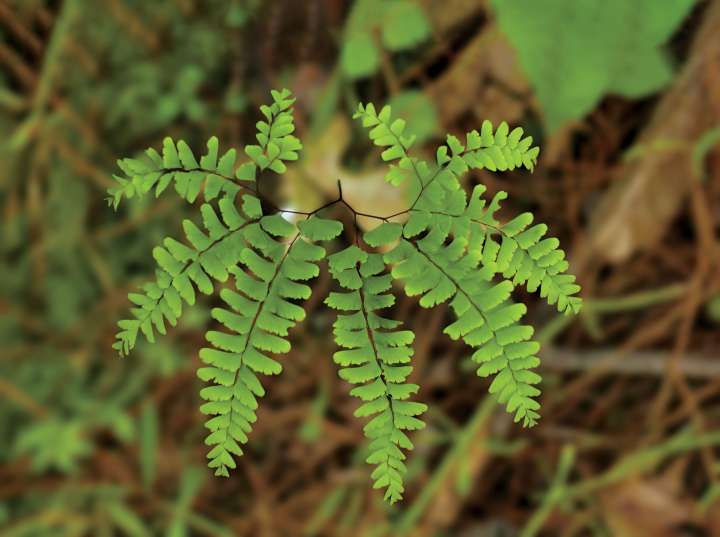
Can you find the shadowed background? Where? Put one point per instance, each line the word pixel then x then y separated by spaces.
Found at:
pixel 623 99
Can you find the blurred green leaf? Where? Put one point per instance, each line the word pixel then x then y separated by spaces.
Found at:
pixel 576 52
pixel 148 443
pixel 325 511
pixel 190 482
pixel 420 111
pixel 127 521
pixel 54 444
pixel 122 426
pixel 404 26
pixel 712 309
pixel 702 147
pixel 359 56
pixel 326 104
pixel 312 426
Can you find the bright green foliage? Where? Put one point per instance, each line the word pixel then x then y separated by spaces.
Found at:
pixel 500 150
pixel 402 24
pixel 208 256
pixel 278 259
pixel 445 248
pixel 527 258
pixel 376 359
pixel 419 110
pixel 54 444
pixel 576 52
pixel 485 318
pixel 276 145
pixel 183 268
pixel 449 252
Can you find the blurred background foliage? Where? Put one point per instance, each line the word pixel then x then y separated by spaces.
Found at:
pixel 622 97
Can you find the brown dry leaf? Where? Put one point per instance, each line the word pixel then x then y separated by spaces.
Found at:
pixel 640 508
pixel 447 504
pixel 448 15
pixel 464 86
pixel 497 107
pixel 314 180
pixel 634 214
pixel 713 518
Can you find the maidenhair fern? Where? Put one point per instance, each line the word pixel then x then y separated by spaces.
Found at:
pixel 444 248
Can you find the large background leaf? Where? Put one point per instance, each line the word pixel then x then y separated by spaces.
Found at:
pixel 576 52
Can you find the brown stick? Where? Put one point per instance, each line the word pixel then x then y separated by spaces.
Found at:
pixel 15 25
pixel 647 363
pixel 634 214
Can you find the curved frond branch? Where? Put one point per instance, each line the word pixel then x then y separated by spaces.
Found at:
pixel 522 255
pixel 177 164
pixel 500 150
pixel 388 133
pixel 486 319
pixel 235 359
pixel 493 150
pixel 537 263
pixel 212 175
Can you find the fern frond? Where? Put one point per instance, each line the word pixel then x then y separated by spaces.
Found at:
pixel 278 260
pixel 499 149
pixel 486 319
pixel 214 254
pixel 462 270
pixel 376 358
pixel 208 256
pixel 490 150
pixel 177 162
pixel 451 248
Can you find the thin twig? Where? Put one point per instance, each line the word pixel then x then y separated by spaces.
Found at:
pixel 645 363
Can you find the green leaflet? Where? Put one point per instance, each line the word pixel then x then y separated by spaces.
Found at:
pixel 498 150
pixel 420 111
pixel 320 229
pixel 385 233
pixel 449 248
pixel 513 250
pixel 375 359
